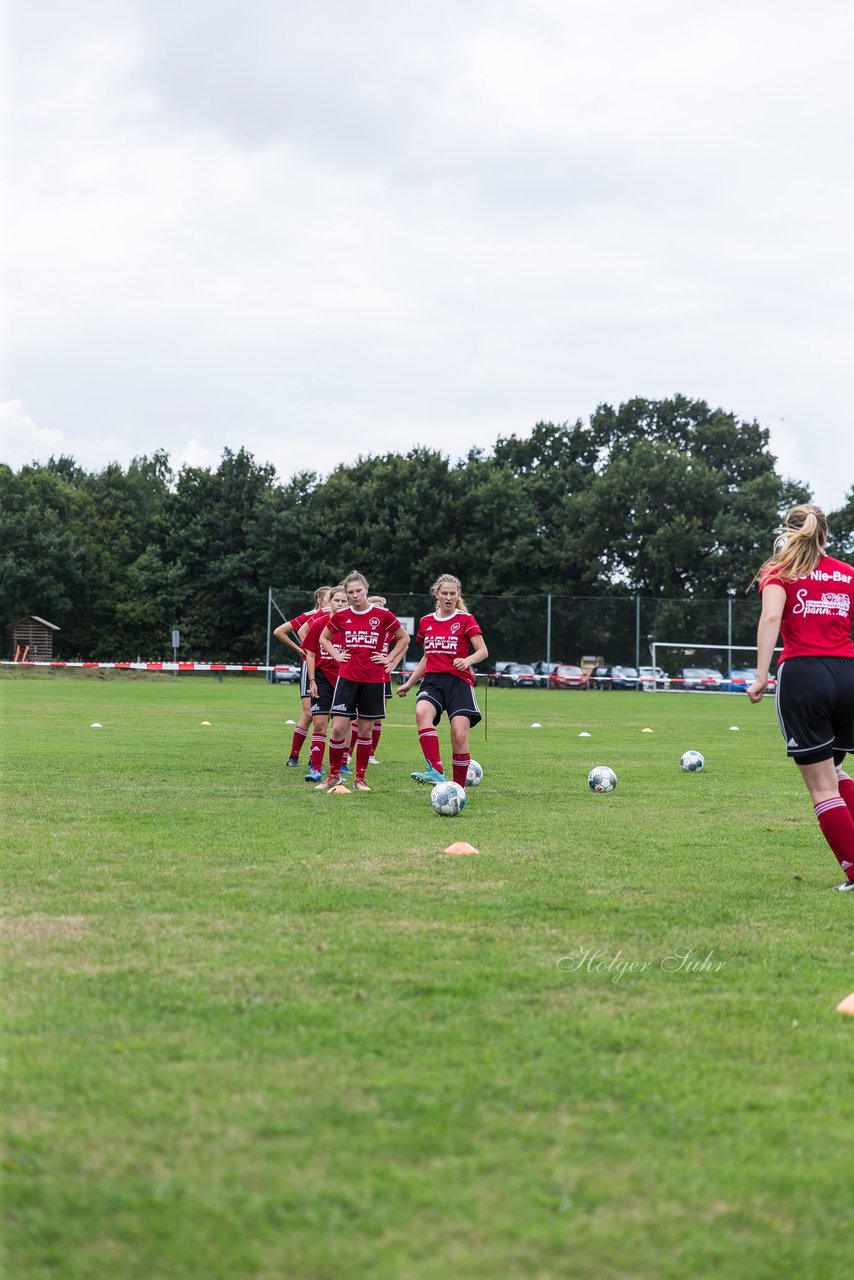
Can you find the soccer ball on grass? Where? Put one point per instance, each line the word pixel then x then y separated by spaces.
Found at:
pixel 601 778
pixel 448 799
pixel 474 775
pixel 691 762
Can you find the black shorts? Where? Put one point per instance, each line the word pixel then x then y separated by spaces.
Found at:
pixel 304 691
pixel 449 694
pixel 321 705
pixel 815 708
pixel 360 699
pixel 389 692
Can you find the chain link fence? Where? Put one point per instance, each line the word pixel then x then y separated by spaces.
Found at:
pixel 555 628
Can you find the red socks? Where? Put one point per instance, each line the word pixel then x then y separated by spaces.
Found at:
pixel 460 764
pixel 375 740
pixel 846 789
pixel 428 740
pixel 837 827
pixel 300 736
pixel 337 747
pixel 318 746
pixel 363 757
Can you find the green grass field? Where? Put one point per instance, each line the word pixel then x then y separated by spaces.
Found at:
pixel 253 1030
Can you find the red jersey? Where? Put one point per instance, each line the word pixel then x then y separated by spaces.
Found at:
pixel 818 611
pixel 445 639
pixel 362 635
pixel 301 618
pixel 324 662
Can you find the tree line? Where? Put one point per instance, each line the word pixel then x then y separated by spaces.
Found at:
pixel 668 499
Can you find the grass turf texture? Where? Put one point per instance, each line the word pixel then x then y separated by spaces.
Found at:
pixel 255 1030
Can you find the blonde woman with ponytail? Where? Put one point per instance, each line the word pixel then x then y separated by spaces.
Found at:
pixel 453 645
pixel 808 597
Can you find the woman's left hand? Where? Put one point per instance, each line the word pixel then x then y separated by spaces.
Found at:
pixel 757 689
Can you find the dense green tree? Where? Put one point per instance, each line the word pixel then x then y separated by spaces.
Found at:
pixel 841 526
pixel 44 518
pixel 685 497
pixel 670 500
pixel 208 537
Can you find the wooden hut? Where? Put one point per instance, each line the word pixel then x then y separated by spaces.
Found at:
pixel 33 636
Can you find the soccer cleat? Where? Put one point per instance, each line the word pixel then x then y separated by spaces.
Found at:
pixel 428 775
pixel 345 768
pixel 373 760
pixel 360 785
pixel 843 888
pixel 314 775
pixel 334 780
pixel 292 762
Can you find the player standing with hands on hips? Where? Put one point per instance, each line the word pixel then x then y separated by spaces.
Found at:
pixel 453 644
pixel 809 598
pixel 355 638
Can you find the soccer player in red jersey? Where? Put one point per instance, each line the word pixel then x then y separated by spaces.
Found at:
pixel 283 633
pixel 322 675
pixel 359 632
pixel 809 598
pixel 453 644
pixel 378 724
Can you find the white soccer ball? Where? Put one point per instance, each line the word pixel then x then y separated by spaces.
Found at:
pixel 448 799
pixel 601 778
pixel 474 774
pixel 691 762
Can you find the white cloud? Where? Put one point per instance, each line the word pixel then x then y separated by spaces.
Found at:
pixel 319 231
pixel 21 440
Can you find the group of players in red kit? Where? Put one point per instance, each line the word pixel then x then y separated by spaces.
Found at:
pixel 350 644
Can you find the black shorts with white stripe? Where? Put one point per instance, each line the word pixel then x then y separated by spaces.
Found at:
pixel 359 699
pixel 451 694
pixel 815 708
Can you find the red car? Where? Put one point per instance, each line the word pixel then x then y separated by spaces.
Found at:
pixel 568 678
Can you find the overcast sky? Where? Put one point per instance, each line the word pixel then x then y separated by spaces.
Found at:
pixel 337 227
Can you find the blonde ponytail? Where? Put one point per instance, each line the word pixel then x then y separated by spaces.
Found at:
pixel 800 545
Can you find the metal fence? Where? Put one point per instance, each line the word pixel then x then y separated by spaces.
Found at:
pixel 555 628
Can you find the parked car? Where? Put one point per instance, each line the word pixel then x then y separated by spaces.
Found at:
pixel 698 678
pixel 654 677
pixel 404 671
pixel 544 672
pixel 740 679
pixel 568 677
pixel 493 675
pixel 615 678
pixel 516 675
pixel 286 673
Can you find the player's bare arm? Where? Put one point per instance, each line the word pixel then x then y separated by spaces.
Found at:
pixel 282 633
pixel 390 660
pixel 326 644
pixel 477 655
pixel 773 603
pixel 403 689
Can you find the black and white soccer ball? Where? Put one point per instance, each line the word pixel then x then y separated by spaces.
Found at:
pixel 692 762
pixel 601 779
pixel 448 799
pixel 474 774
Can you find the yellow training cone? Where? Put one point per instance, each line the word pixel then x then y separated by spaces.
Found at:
pixel 461 847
